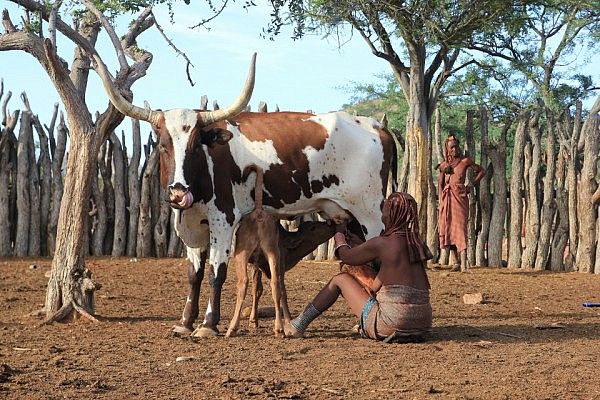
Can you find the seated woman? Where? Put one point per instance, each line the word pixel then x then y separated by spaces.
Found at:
pixel 396 305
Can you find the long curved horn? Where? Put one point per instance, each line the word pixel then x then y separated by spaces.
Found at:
pixel 119 101
pixel 208 117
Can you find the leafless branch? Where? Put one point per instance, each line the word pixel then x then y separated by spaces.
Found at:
pixel 111 34
pixel 50 130
pixel 7 23
pixel 140 25
pixel 52 22
pixel 189 63
pixel 62 27
pixel 4 108
pixel 217 13
pixel 26 102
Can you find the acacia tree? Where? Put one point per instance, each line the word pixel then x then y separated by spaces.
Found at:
pixel 70 288
pixel 430 32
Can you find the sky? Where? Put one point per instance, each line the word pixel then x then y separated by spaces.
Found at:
pixel 307 74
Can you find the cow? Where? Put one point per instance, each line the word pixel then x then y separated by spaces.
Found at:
pixel 261 240
pixel 332 163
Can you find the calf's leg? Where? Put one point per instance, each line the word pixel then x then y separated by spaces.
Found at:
pixel 241 262
pixel 257 291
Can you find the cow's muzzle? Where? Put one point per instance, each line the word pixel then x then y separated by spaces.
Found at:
pixel 180 196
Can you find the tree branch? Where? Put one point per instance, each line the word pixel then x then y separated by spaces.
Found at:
pixel 62 27
pixel 189 63
pixel 52 23
pixel 111 33
pixel 7 23
pixel 217 13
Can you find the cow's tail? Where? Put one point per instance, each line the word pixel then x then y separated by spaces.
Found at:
pixel 258 185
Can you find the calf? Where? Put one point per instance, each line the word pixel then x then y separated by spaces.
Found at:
pixel 261 240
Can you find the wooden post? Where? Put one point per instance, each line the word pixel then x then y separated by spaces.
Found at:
pixel 23 198
pixel 515 247
pixel 133 181
pixel 119 243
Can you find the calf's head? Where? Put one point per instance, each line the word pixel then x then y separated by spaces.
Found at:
pixel 181 134
pixel 310 234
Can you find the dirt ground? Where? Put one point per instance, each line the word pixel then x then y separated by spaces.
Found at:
pixel 532 339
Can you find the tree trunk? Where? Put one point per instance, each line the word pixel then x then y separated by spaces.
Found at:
pixel 134 189
pixel 597 260
pixel 485 197
pixel 175 244
pixel 119 243
pixel 433 236
pixel 70 288
pixel 7 154
pixel 572 188
pixel 155 196
pixel 532 229
pixel 437 138
pixel 144 240
pixel 472 219
pixel 23 198
pixel 417 138
pixel 161 236
pixel 34 198
pixel 45 181
pixel 57 183
pixel 561 232
pixel 515 246
pixel 549 204
pixel 587 186
pixel 99 196
pixel 109 195
pixel 497 155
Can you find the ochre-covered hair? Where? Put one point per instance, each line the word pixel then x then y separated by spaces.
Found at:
pixel 449 158
pixel 401 211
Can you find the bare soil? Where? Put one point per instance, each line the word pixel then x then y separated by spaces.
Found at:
pixel 532 339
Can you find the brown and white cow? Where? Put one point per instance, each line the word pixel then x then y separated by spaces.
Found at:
pixel 333 163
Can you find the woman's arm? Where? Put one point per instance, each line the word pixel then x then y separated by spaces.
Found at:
pixel 441 178
pixel 376 285
pixel 360 254
pixel 479 172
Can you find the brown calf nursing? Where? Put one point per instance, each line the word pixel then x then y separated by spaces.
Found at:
pixel 261 240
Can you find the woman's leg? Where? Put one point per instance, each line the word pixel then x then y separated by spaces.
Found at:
pixel 350 289
pixel 343 284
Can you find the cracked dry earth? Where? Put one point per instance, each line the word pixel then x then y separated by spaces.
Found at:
pixel 531 339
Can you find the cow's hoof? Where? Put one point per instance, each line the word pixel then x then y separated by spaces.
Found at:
pixel 181 330
pixel 205 332
pixel 253 325
pixel 279 334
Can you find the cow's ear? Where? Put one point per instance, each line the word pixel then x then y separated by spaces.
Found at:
pixel 216 136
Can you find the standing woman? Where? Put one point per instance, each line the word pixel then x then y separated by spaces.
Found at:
pixel 395 305
pixel 454 201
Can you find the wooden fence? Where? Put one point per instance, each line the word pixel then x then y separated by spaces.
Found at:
pixel 128 215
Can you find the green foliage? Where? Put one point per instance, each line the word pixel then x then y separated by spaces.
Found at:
pixel 546 50
pixel 376 99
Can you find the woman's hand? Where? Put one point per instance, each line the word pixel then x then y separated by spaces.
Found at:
pixel 341 228
pixel 353 240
